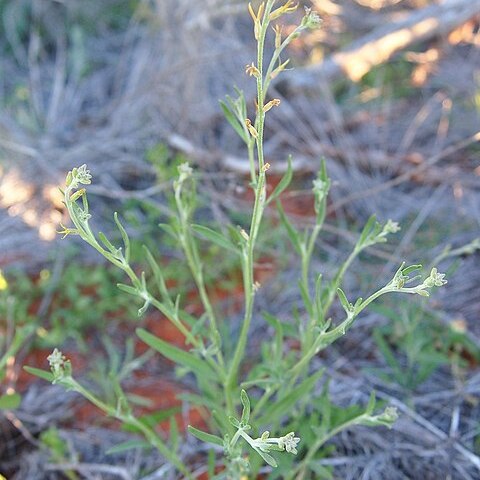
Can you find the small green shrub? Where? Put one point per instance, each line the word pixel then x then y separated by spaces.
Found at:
pixel 281 421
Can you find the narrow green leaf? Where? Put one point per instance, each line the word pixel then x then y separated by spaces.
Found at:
pixel 211 463
pixel 110 247
pixel 221 420
pixel 48 376
pixel 305 294
pixel 292 233
pixel 367 229
pixel 278 344
pixel 283 183
pixel 215 237
pixel 175 354
pixel 143 308
pixel 126 240
pixel 284 405
pixel 246 407
pixel 321 471
pixel 10 402
pixel 268 458
pixel 318 300
pixel 371 403
pixel 386 351
pixel 128 445
pixel 205 437
pixel 233 121
pixel 128 289
pixel 174 437
pixel 157 273
pixel 169 230
pixel 326 407
pixel 288 328
pixel 343 300
pixel 194 399
pixel 411 268
pixel 240 102
pixel 234 421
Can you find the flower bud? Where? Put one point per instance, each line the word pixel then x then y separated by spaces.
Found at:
pixel 252 70
pixel 251 128
pixel 272 103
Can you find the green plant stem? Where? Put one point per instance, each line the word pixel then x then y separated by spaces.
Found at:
pixel 306 262
pixel 187 334
pixel 338 279
pixel 258 208
pixel 326 338
pixel 276 55
pixel 299 472
pixel 249 291
pixel 263 400
pixel 129 419
pixel 309 342
pixel 195 265
pixel 251 160
pixel 88 236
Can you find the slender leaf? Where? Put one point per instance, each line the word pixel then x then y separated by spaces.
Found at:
pixel 153 419
pixel 410 269
pixel 246 407
pixel 128 289
pixel 123 233
pixel 215 237
pixel 305 294
pixel 234 421
pixel 343 300
pixel 157 273
pixel 386 351
pixel 285 404
pixel 197 400
pixel 175 354
pixel 268 458
pixel 168 229
pixel 205 437
pixel 233 121
pixel 48 376
pixel 283 183
pixel 292 233
pixel 110 247
pixel 174 437
pixel 367 230
pixel 128 445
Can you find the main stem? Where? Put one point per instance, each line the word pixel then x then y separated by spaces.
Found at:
pixel 258 208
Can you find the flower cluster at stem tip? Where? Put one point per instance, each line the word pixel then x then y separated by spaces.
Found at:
pixel 286 443
pixel 77 176
pixel 59 365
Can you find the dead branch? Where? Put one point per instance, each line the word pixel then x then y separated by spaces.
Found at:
pixel 383 42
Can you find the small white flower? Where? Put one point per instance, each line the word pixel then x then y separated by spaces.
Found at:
pixel 390 414
pixel 83 215
pixel 83 175
pixel 435 279
pixel 184 171
pixel 391 227
pixel 57 361
pixel 289 443
pixel 319 185
pixel 311 19
pixel 77 176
